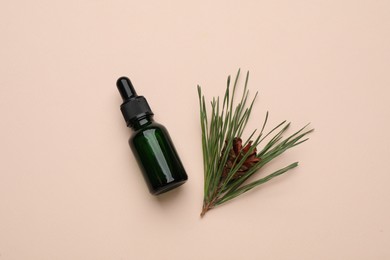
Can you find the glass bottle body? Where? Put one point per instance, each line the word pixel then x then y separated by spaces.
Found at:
pixel 156 156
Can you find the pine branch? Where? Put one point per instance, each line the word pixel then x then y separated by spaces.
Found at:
pixel 228 161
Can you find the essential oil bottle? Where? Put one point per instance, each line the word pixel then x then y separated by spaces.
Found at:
pixel 150 142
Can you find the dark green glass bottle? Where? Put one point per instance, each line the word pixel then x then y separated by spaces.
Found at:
pixel 150 142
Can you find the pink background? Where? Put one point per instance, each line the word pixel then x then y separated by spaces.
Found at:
pixel 71 189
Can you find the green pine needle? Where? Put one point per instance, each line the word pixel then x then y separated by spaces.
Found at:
pixel 219 131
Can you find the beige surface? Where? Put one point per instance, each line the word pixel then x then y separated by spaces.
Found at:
pixel 70 188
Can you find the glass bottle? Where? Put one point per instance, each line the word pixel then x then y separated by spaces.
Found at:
pixel 150 142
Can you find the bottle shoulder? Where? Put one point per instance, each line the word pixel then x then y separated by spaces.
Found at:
pixel 148 129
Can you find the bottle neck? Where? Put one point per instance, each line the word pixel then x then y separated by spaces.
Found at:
pixel 137 124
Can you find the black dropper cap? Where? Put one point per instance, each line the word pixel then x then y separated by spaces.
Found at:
pixel 134 107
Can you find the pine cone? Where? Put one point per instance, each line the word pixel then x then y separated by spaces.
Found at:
pixel 235 156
